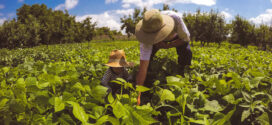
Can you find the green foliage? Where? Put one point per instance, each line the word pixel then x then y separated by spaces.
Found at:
pixel 129 23
pixel 60 84
pixel 206 27
pixel 37 24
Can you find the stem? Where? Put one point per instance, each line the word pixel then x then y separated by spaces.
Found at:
pixel 121 91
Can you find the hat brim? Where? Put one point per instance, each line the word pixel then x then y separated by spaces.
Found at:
pixel 117 64
pixel 153 38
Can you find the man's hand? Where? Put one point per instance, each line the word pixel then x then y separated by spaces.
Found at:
pixel 161 45
pixel 139 99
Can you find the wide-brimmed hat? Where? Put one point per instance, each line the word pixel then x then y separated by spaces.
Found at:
pixel 154 27
pixel 117 58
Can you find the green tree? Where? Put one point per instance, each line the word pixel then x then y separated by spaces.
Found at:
pixel 129 22
pixel 263 36
pixel 242 31
pixel 166 7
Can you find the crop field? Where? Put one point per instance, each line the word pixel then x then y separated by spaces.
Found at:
pixel 60 84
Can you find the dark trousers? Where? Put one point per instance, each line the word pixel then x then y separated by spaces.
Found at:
pixel 184 56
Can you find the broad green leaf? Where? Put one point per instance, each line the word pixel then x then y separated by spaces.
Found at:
pixel 102 120
pixel 20 90
pixel 223 82
pixel 196 121
pixel 78 86
pixel 166 94
pixel 99 92
pixel 192 108
pixel 264 119
pixel 17 106
pixel 20 84
pixel 245 114
pixel 79 112
pixel 59 104
pixel 257 74
pixel 213 106
pixel 157 82
pixel 258 93
pixel 172 80
pixel 5 69
pixel 229 98
pixel 121 80
pixel 119 110
pixel 66 119
pixel 117 82
pixel 256 81
pixel 142 115
pixel 182 100
pixel 140 88
pixel 225 119
pixel 113 120
pixel 128 85
pixel 98 111
pixel 106 118
pixel 110 98
pixel 31 81
pixel 42 85
pixel 246 96
pixel 3 103
pixel 3 84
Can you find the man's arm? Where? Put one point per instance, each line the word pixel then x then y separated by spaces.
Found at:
pixel 176 43
pixel 142 72
pixel 141 76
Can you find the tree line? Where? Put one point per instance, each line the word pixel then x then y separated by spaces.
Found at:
pixel 208 27
pixel 39 25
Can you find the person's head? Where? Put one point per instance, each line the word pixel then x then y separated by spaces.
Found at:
pixel 154 27
pixel 117 61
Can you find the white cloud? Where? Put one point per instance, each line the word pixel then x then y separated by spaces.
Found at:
pixel 201 2
pixel 20 0
pixel 126 5
pixel 69 4
pixel 106 19
pixel 60 7
pixel 2 6
pixel 2 20
pixel 1 14
pixel 125 12
pixel 265 18
pixel 226 14
pixel 150 3
pixel 109 19
pixel 110 1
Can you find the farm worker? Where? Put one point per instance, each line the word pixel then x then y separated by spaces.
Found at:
pixel 117 63
pixel 161 30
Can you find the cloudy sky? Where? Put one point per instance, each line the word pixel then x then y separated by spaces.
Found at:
pixel 108 12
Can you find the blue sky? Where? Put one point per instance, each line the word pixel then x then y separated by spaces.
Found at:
pixel 108 12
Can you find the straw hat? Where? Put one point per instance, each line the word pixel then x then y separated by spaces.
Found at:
pixel 118 59
pixel 154 27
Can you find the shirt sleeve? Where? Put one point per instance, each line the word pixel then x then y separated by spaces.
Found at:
pixel 180 26
pixel 145 51
pixel 182 30
pixel 106 79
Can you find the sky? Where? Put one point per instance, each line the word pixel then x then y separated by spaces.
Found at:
pixel 108 12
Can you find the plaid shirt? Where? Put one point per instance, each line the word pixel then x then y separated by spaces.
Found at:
pixel 110 75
